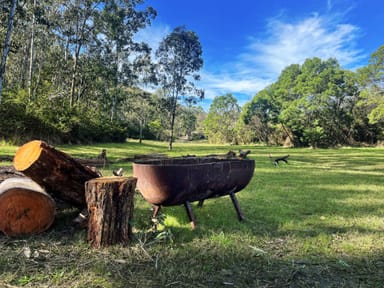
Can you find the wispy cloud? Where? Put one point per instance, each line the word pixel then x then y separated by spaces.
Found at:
pixel 286 43
pixel 283 43
pixel 292 43
pixel 223 83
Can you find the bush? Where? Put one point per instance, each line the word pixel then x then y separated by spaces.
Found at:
pixel 56 124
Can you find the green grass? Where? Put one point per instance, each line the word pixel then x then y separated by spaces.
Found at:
pixel 317 221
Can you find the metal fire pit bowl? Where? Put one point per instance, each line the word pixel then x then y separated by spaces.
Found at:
pixel 175 181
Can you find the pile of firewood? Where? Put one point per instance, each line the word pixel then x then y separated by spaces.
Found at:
pixel 42 174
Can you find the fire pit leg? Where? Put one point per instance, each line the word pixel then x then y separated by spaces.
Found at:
pixel 237 206
pixel 156 210
pixel 201 202
pixel 191 216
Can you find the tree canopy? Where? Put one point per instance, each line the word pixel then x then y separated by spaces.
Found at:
pixel 180 58
pixel 316 104
pixel 72 71
pixel 220 124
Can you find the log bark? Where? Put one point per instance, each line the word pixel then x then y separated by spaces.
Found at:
pixel 25 208
pixel 60 174
pixel 110 208
pixel 93 162
pixel 9 172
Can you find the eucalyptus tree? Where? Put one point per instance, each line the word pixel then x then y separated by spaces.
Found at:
pixel 7 41
pixel 33 43
pixel 372 82
pixel 188 117
pixel 41 18
pixel 77 30
pixel 220 124
pixel 317 106
pixel 116 24
pixel 138 108
pixel 179 59
pixel 312 103
pixel 259 116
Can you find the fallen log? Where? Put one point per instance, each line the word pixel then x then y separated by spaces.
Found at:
pixel 100 161
pixel 93 162
pixel 110 209
pixel 149 156
pixel 6 158
pixel 60 174
pixel 9 172
pixel 25 208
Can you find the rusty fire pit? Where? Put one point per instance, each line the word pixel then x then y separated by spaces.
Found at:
pixel 175 181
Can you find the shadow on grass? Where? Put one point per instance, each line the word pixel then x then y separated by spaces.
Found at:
pixel 220 252
pixel 287 200
pixel 316 222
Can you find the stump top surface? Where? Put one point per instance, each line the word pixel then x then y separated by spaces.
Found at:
pixel 27 154
pixel 112 179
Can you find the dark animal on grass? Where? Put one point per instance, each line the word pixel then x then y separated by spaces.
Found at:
pixel 279 159
pixel 230 154
pixel 244 153
pixel 102 155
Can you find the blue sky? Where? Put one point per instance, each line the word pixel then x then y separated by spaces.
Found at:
pixel 247 43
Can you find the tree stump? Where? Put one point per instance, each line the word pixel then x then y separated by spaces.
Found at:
pixel 60 174
pixel 110 208
pixel 25 208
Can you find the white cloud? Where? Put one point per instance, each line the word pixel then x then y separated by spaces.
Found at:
pixel 283 43
pixel 292 43
pixel 286 43
pixel 221 84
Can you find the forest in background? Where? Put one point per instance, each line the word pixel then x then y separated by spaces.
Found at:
pixel 75 74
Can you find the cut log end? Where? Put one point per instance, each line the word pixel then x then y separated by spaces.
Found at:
pixel 58 173
pixel 25 208
pixel 27 154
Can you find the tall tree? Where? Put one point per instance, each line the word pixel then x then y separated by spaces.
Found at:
pixel 78 28
pixel 116 24
pixel 312 104
pixel 31 50
pixel 221 121
pixel 7 43
pixel 180 58
pixel 372 82
pixel 259 115
pixel 138 108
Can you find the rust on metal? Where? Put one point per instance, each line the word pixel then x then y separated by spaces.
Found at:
pixel 175 181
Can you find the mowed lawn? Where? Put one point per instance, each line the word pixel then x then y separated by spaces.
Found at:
pixel 317 221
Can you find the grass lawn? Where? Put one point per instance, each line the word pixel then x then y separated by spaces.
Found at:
pixel 317 221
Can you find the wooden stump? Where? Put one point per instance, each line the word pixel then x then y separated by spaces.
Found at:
pixel 110 208
pixel 25 208
pixel 60 175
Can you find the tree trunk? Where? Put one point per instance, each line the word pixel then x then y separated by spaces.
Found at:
pixel 31 53
pixel 173 115
pixel 74 73
pixel 61 175
pixel 6 45
pixel 110 208
pixel 25 208
pixel 140 131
